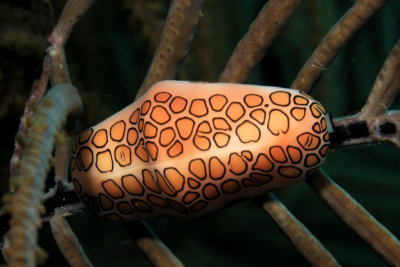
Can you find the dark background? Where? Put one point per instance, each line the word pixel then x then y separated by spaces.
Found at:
pixel 108 55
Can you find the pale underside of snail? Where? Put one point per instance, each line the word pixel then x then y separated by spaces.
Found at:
pixel 187 149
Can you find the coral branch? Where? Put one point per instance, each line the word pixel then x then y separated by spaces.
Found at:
pixel 386 86
pixel 58 67
pixel 62 157
pixel 24 205
pixel 176 38
pixel 151 245
pixel 146 14
pixel 353 130
pixel 303 239
pixel 61 197
pixel 269 22
pixel 333 42
pixel 72 12
pixel 37 93
pixel 357 218
pixel 374 123
pixel 68 242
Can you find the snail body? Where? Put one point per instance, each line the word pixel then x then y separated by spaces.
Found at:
pixel 187 149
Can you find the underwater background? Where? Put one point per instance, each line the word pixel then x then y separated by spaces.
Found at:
pixel 108 54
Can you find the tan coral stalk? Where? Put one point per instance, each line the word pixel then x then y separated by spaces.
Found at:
pixel 68 242
pixel 304 241
pixel 374 123
pixel 334 41
pixel 148 241
pixel 356 217
pixel 25 204
pixel 38 91
pixel 386 86
pixel 352 130
pixel 262 32
pixel 176 38
pixel 72 12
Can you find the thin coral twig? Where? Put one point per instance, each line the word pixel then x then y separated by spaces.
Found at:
pixel 334 41
pixel 63 198
pixel 353 130
pixel 58 67
pixel 158 253
pixel 62 156
pixel 386 86
pixel 24 205
pixel 301 237
pixel 175 41
pixel 269 22
pixel 59 74
pixel 357 218
pixel 374 123
pixel 72 12
pixel 37 93
pixel 68 242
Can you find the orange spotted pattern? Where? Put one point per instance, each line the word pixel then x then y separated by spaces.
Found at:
pixel 191 148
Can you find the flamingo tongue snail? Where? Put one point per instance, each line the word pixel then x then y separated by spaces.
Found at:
pixel 189 148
